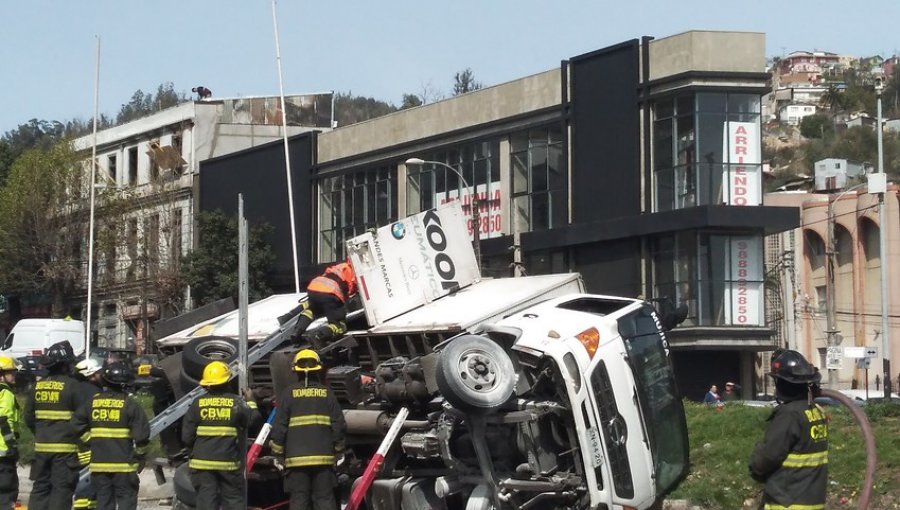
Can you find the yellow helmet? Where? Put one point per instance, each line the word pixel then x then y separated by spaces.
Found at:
pixel 7 364
pixel 307 360
pixel 215 373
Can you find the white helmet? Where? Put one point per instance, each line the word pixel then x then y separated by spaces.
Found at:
pixel 88 367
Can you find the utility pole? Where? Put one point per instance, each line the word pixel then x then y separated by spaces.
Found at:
pixel 831 327
pixel 882 237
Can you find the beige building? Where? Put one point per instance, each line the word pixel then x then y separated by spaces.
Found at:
pixel 798 260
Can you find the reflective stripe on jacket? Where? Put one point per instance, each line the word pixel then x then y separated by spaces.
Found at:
pixel 793 458
pixel 338 280
pixel 213 428
pixel 309 427
pixel 117 430
pixel 9 422
pixel 49 412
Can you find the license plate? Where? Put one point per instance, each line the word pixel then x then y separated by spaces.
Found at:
pixel 596 448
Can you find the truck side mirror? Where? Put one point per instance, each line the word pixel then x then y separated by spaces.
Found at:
pixel 673 316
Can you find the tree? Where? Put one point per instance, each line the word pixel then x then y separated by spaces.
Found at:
pixel 350 109
pixel 142 105
pixel 410 101
pixel 212 269
pixel 44 222
pixel 816 126
pixel 464 81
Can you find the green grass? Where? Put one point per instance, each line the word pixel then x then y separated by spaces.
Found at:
pixel 721 443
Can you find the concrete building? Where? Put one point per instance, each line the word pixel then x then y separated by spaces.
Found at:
pixel 149 168
pixel 799 258
pixel 834 174
pixel 637 165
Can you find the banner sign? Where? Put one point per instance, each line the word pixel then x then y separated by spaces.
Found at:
pixel 743 291
pixel 413 261
pixel 490 218
pixel 742 175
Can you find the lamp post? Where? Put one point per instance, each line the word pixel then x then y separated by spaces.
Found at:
pixel 833 338
pixel 882 238
pixel 476 227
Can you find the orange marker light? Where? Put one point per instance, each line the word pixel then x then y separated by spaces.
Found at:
pixel 590 339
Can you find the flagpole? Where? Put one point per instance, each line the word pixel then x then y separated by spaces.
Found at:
pixel 90 269
pixel 287 156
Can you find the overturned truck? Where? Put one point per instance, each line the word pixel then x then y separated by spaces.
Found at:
pixel 522 392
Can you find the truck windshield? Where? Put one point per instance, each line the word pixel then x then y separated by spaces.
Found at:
pixel 660 403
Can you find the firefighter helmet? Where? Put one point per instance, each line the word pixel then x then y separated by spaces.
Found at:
pixel 118 374
pixel 58 353
pixel 307 360
pixel 790 366
pixel 89 366
pixel 215 373
pixel 7 364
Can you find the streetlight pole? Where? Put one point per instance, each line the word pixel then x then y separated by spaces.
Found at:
pixel 882 238
pixel 831 327
pixel 476 214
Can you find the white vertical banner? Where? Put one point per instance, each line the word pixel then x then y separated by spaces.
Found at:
pixel 742 175
pixel 743 293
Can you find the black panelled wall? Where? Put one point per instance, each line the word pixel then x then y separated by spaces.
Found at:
pixel 606 174
pixel 259 173
pixel 606 151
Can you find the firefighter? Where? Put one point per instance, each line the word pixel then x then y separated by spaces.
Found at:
pixel 326 295
pixel 9 434
pixel 792 459
pixel 117 430
pixel 215 429
pixel 309 436
pixel 48 413
pixel 89 374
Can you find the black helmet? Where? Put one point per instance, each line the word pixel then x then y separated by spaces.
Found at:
pixel 118 374
pixel 58 353
pixel 791 366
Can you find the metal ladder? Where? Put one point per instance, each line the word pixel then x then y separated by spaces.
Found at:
pixel 177 410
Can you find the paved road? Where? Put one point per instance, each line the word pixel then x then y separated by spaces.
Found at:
pixel 151 496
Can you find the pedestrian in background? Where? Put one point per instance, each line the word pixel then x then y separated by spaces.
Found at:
pixel 712 396
pixel 730 394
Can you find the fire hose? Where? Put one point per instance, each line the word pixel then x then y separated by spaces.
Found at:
pixel 869 440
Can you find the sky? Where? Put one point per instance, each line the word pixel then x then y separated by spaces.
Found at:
pixel 379 49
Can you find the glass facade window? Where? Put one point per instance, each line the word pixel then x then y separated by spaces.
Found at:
pixel 350 204
pixel 706 150
pixel 539 179
pixel 429 185
pixel 719 277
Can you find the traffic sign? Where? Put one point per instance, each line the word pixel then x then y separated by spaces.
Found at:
pixel 863 363
pixel 854 352
pixel 871 352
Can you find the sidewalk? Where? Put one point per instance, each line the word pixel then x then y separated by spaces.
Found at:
pixel 149 498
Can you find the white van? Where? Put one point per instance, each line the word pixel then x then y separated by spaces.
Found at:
pixel 31 337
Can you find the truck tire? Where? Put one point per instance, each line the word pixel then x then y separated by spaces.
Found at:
pixel 198 352
pixel 184 489
pixel 475 374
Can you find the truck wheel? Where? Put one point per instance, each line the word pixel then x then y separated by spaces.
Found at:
pixel 184 489
pixel 475 374
pixel 198 352
pixel 480 498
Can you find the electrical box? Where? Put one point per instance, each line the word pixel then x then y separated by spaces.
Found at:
pixel 877 182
